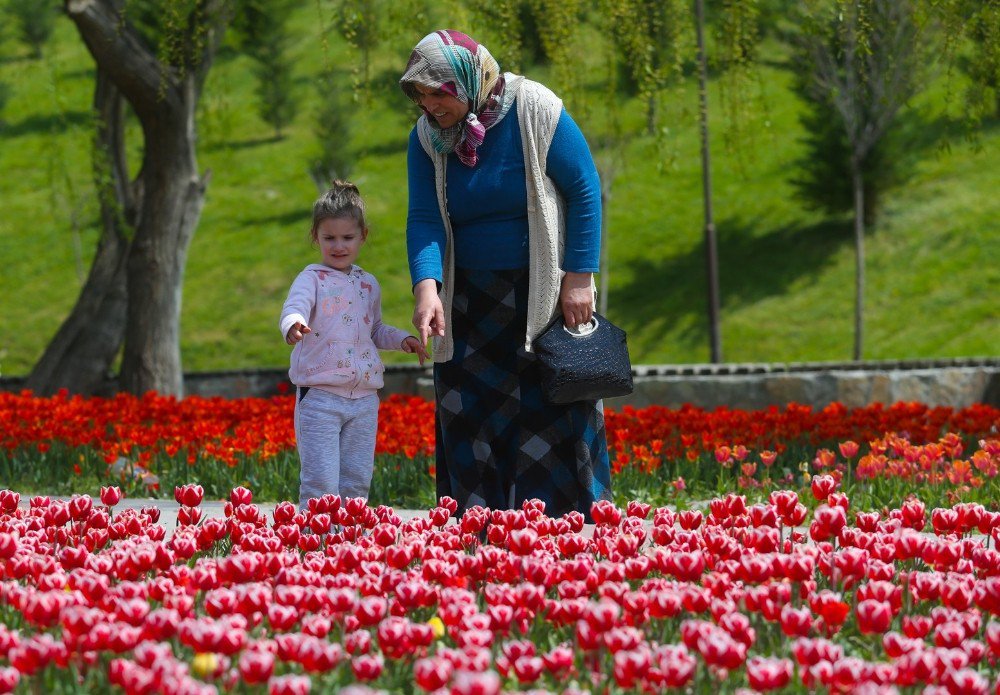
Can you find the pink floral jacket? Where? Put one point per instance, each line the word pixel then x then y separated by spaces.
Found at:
pixel 344 311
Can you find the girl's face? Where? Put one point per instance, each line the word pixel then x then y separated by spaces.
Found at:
pixel 340 240
pixel 446 109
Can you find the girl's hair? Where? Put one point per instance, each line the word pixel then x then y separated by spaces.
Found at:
pixel 342 200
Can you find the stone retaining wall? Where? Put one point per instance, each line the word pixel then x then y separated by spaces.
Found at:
pixel 956 383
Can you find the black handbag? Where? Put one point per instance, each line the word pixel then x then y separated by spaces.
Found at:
pixel 585 363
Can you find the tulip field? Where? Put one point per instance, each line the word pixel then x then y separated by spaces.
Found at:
pixel 150 445
pixel 787 550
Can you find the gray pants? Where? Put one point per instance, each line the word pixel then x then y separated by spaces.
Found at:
pixel 336 442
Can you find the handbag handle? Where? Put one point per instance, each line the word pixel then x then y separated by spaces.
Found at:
pixel 582 330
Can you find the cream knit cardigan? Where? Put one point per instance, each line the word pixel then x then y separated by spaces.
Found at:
pixel 538 111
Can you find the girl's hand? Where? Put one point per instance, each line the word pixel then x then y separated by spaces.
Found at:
pixel 411 345
pixel 576 298
pixel 296 332
pixel 428 312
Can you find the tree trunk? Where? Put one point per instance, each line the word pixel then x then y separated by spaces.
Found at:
pixel 163 97
pixel 607 179
pixel 174 199
pixel 859 246
pixel 80 356
pixel 711 251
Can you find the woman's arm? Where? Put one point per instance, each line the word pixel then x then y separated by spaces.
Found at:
pixel 570 165
pixel 425 241
pixel 425 234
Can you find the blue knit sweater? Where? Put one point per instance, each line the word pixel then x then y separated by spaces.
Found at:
pixel 488 203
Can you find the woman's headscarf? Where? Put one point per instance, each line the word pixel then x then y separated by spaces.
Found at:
pixel 454 63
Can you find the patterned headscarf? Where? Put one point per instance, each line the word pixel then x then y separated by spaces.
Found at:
pixel 456 64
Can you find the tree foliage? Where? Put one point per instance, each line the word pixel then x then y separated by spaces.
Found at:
pixel 856 65
pixel 335 154
pixel 262 30
pixel 861 65
pixel 33 21
pixel 649 37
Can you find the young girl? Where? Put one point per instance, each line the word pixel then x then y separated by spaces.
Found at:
pixel 333 317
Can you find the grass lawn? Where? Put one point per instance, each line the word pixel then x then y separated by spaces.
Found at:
pixel 787 273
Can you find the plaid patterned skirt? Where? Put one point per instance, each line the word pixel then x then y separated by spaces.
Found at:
pixel 498 441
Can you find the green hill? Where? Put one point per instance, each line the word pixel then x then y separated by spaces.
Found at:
pixel 787 273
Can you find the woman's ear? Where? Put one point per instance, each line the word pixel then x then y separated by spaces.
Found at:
pixel 364 235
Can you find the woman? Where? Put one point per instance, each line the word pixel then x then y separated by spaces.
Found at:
pixel 503 234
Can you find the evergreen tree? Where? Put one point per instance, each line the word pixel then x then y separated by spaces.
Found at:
pixel 262 32
pixel 335 156
pixel 34 21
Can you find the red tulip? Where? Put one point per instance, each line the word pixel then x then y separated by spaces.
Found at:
pixel 188 516
pixel 690 519
pixel 282 617
pixel 320 523
pixel 9 678
pixel 873 616
pixel 355 506
pixel 559 660
pixel 950 635
pixel 522 541
pixel 822 486
pixel 605 512
pixel 829 521
pixel 189 495
pixel 256 666
pixel 132 678
pixel 966 681
pixel 439 516
pixel 796 622
pixel 848 449
pixel 637 509
pixel 676 665
pixel 795 516
pixel 289 685
pixel 240 495
pixel 631 666
pixel 829 607
pixel 722 651
pixel 8 546
pixel 527 669
pixel 9 501
pixel 916 626
pixel 944 521
pixel 867 521
pixel 110 496
pixel 765 674
pixel 471 683
pixel 914 514
pixel 432 673
pixel 367 667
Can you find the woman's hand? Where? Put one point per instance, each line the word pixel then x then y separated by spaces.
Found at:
pixel 428 312
pixel 576 298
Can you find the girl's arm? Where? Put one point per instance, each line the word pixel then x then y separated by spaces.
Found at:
pixel 298 306
pixel 384 336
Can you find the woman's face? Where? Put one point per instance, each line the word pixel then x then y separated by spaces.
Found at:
pixel 446 109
